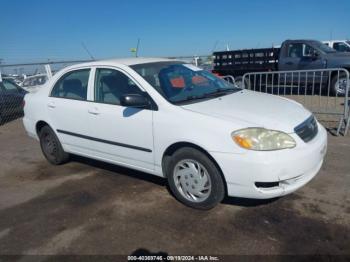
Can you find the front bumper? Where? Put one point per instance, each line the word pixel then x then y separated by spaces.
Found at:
pixel 287 170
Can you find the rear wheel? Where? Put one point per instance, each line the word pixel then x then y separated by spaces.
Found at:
pixel 194 179
pixel 51 147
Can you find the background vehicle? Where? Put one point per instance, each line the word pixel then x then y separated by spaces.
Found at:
pixel 293 55
pixel 11 100
pixel 339 45
pixel 33 83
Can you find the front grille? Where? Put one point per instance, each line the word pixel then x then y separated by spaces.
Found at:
pixel 307 130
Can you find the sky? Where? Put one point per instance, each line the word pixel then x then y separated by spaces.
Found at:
pixel 37 30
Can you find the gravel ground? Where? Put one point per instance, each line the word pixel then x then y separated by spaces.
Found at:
pixel 89 207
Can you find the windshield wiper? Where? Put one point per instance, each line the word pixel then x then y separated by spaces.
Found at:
pixel 221 92
pixel 190 98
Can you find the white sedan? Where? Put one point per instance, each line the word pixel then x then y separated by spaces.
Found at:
pixel 171 119
pixel 34 83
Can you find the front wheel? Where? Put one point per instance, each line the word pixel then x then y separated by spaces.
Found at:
pixel 51 147
pixel 246 84
pixel 194 179
pixel 339 84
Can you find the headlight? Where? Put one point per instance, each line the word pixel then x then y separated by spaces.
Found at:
pixel 262 139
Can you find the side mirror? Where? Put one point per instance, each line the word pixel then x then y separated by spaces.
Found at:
pixel 135 100
pixel 315 55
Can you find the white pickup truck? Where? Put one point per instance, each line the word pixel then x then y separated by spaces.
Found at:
pixel 339 45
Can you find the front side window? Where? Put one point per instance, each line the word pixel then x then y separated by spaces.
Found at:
pixel 111 84
pixel 179 82
pixel 308 51
pixel 72 85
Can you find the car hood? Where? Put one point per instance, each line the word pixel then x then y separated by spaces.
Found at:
pixel 339 56
pixel 253 109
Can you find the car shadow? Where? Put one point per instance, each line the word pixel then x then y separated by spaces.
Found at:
pixel 120 170
pixel 233 201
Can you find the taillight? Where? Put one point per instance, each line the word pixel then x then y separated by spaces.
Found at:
pixel 23 103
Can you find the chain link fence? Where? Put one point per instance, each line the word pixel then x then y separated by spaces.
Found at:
pixel 16 80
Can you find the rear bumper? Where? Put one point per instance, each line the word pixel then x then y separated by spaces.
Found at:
pixel 287 170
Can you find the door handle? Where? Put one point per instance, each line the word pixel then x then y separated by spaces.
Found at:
pixel 51 105
pixel 93 111
pixel 289 63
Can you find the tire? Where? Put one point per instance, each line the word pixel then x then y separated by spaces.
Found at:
pixel 239 82
pixel 200 190
pixel 336 90
pixel 51 147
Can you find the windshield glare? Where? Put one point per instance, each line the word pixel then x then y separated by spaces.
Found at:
pixel 179 82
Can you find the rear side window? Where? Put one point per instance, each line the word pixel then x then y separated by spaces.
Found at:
pixel 72 85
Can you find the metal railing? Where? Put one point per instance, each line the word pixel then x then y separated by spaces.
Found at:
pixel 229 79
pixel 324 92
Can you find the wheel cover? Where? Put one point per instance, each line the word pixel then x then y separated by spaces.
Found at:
pixel 50 146
pixel 192 180
pixel 340 85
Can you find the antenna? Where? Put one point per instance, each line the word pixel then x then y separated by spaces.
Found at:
pixel 215 45
pixel 137 47
pixel 331 35
pixel 87 51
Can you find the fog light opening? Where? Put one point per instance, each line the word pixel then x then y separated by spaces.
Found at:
pixel 266 184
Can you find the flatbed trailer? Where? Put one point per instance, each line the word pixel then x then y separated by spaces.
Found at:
pixel 237 63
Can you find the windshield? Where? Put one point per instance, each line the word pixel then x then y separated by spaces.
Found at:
pixel 179 82
pixel 348 42
pixel 324 48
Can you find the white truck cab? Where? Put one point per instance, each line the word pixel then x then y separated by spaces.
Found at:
pixel 339 45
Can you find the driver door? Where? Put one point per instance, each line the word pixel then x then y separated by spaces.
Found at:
pixel 120 134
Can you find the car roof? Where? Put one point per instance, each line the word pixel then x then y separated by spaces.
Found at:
pixel 34 76
pixel 125 61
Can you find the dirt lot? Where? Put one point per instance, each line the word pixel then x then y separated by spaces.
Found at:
pixel 89 207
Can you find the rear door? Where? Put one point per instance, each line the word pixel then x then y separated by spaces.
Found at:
pixel 68 110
